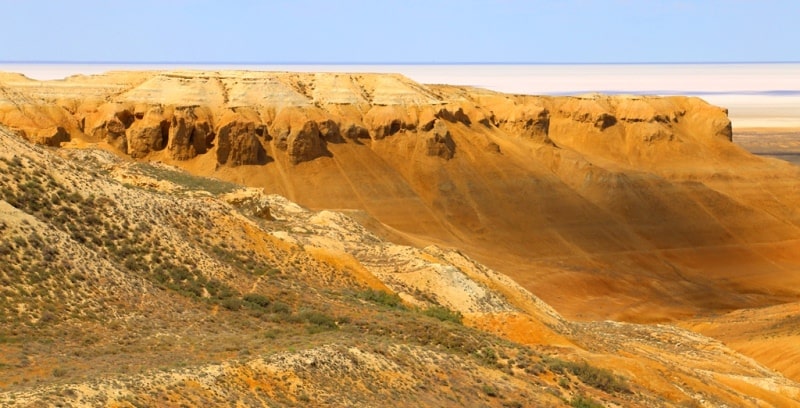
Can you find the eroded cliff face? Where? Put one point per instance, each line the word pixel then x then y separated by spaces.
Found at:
pixel 641 200
pixel 241 116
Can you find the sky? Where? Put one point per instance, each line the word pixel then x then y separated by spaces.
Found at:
pixel 400 31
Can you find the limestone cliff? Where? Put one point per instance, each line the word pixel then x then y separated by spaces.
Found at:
pixel 191 113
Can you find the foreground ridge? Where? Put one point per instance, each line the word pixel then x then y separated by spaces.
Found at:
pixel 166 288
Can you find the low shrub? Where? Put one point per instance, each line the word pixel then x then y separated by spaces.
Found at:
pixel 444 314
pixel 490 390
pixel 319 319
pixel 257 300
pixel 231 303
pixel 579 401
pixel 599 378
pixel 380 297
pixel 279 307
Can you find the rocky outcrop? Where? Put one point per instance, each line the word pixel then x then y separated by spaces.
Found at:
pixel 238 143
pixel 190 133
pixel 108 123
pixel 150 134
pixel 51 136
pixel 439 142
pixel 531 121
pixel 113 132
pixel 384 121
pixel 302 134
pixel 595 110
pixel 454 115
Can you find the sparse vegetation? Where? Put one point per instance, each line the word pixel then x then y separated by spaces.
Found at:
pixel 257 300
pixel 444 314
pixel 490 390
pixel 186 180
pixel 599 378
pixel 319 321
pixel 580 401
pixel 381 297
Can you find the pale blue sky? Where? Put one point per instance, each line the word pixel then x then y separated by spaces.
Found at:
pixel 395 31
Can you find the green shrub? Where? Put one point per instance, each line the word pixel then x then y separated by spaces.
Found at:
pixel 381 297
pixel 444 314
pixel 279 307
pixel 579 401
pixel 231 303
pixel 490 390
pixel 319 319
pixel 599 378
pixel 487 356
pixel 257 299
pixel 59 372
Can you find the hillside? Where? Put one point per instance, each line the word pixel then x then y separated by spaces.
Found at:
pixel 632 208
pixel 159 287
pixel 166 286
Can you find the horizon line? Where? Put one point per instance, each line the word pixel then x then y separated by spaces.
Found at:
pixel 50 62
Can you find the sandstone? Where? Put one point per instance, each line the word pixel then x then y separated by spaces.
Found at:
pixel 150 134
pixel 642 109
pixel 593 109
pixel 454 115
pixel 302 138
pixel 108 123
pixel 237 142
pixel 386 121
pixel 354 131
pixel 527 120
pixel 52 136
pixel 190 133
pixel 439 142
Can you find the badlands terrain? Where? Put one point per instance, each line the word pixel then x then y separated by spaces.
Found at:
pixel 346 239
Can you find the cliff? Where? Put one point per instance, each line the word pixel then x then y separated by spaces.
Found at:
pixel 251 117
